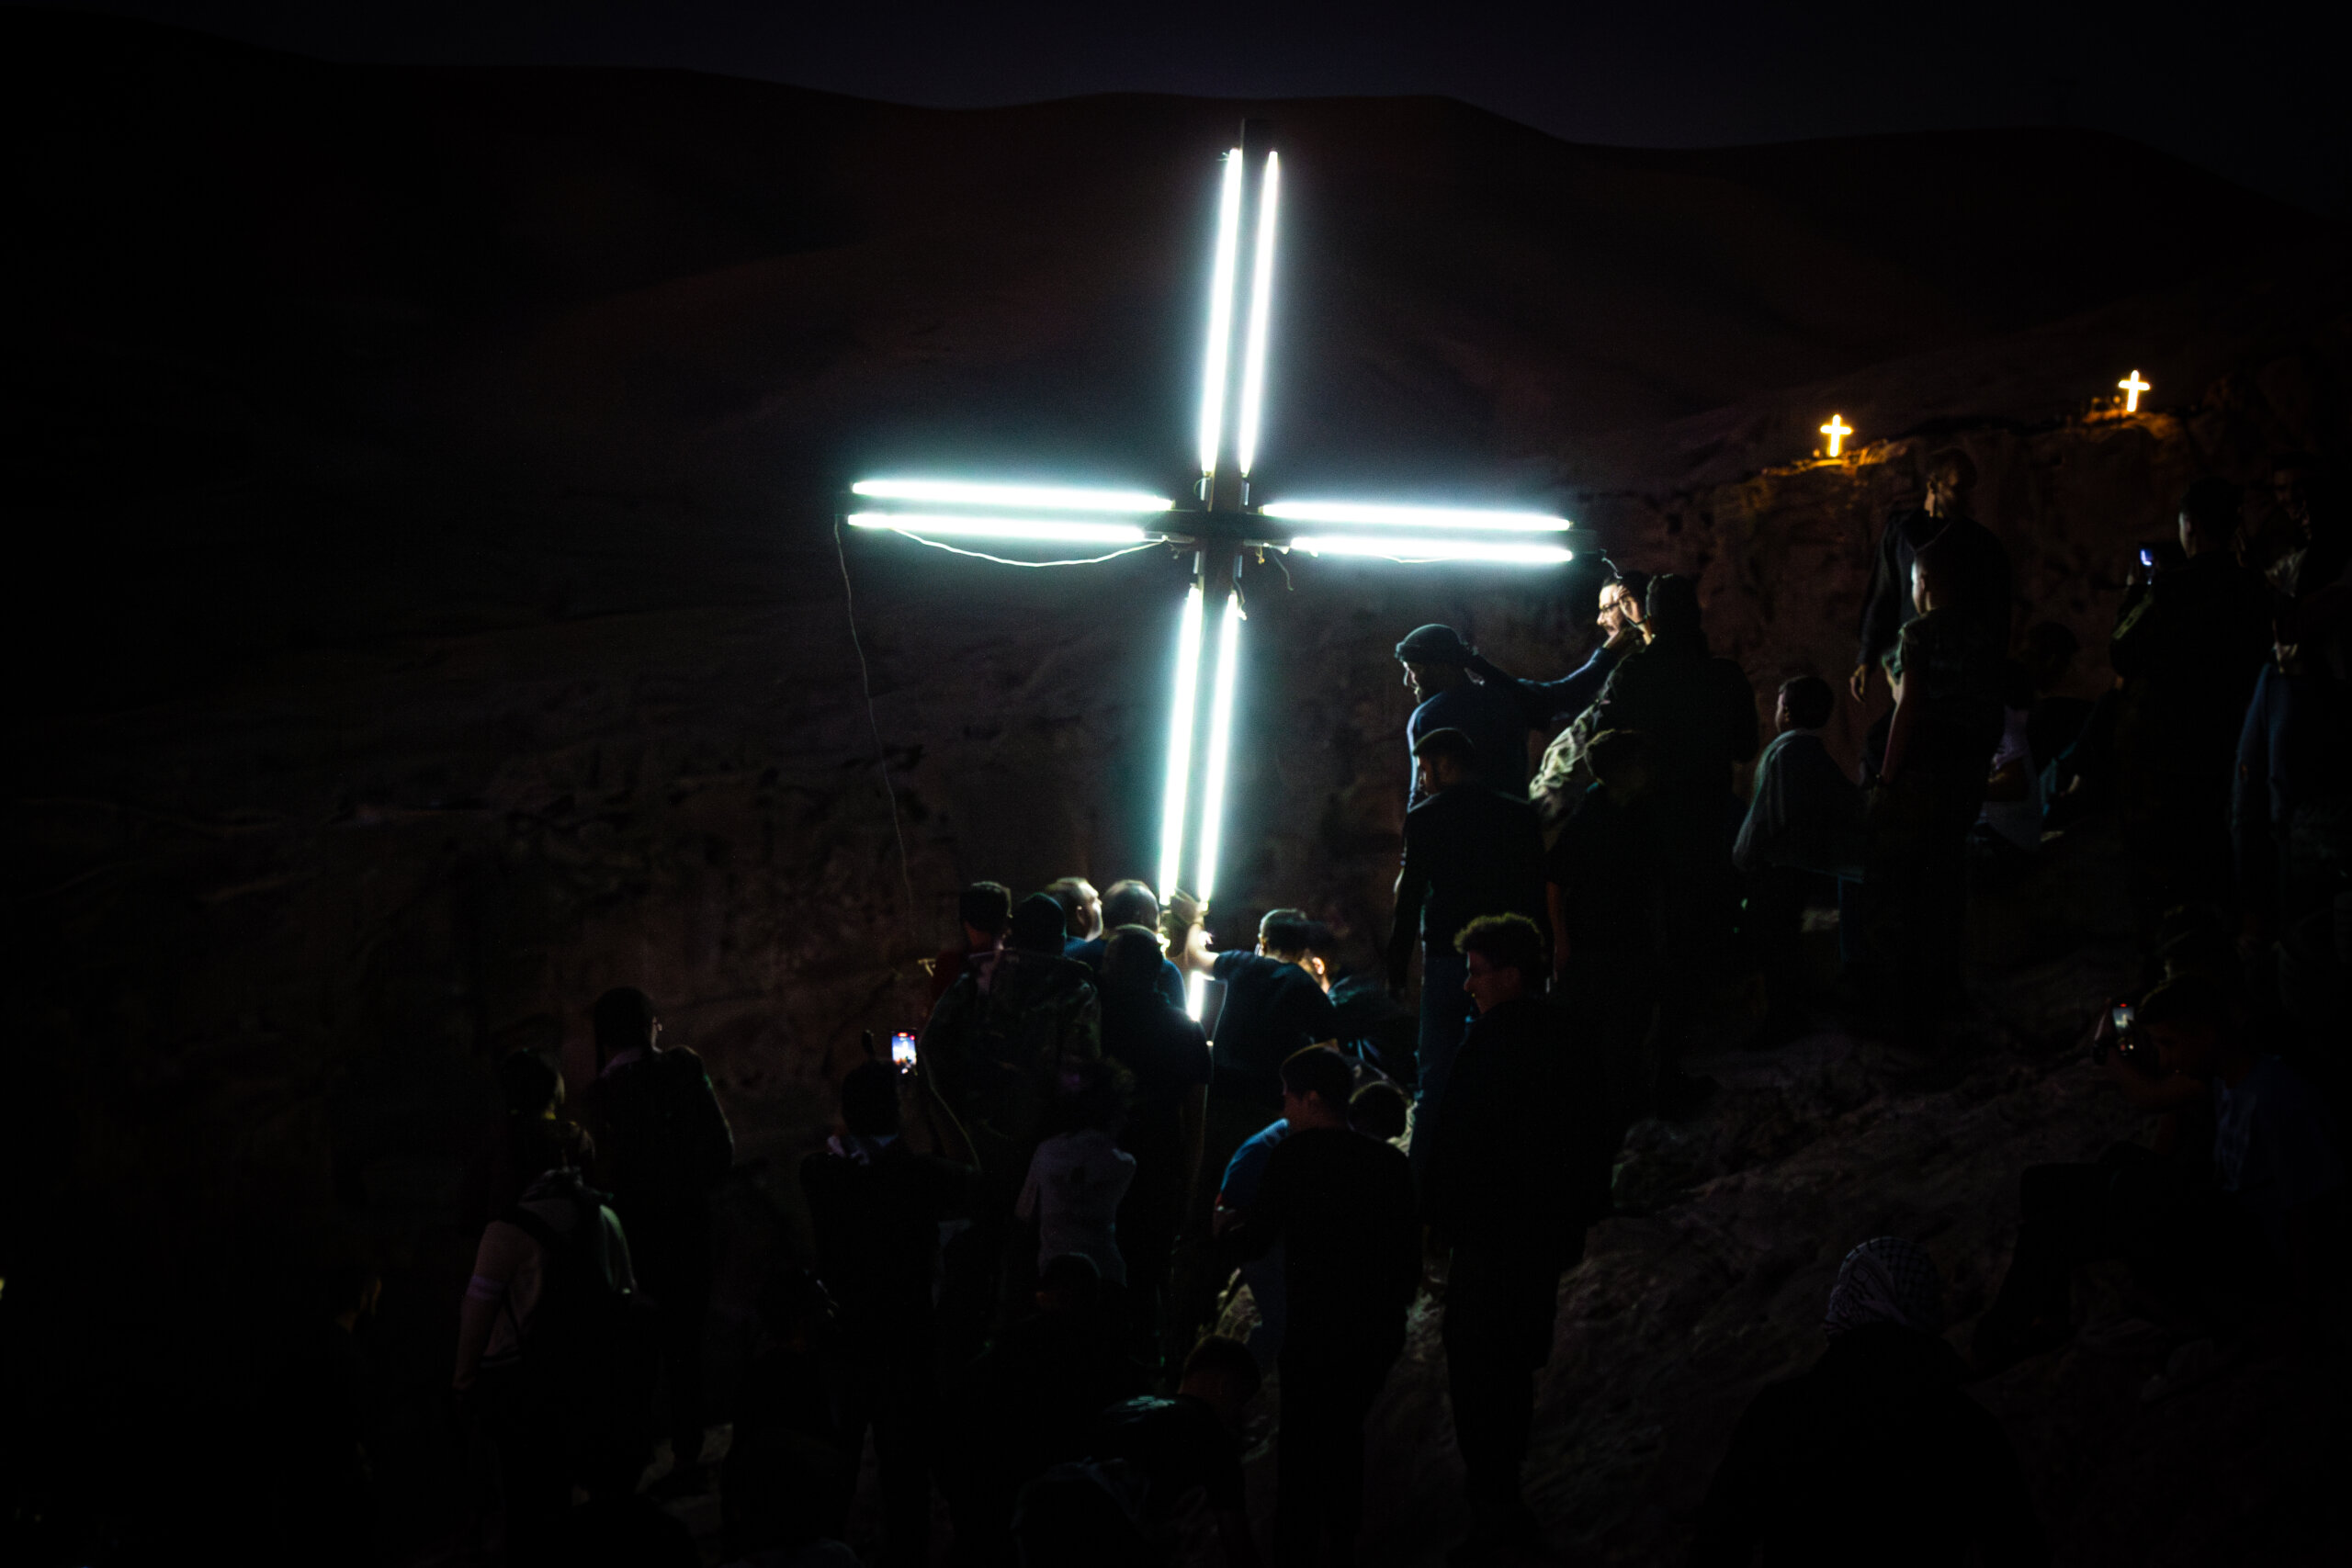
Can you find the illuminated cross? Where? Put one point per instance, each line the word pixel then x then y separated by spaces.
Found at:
pixel 1220 525
pixel 1837 430
pixel 2132 387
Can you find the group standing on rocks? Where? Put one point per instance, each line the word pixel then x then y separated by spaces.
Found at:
pixel 1056 1259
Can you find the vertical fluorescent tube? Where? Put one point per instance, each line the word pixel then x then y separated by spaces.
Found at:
pixel 1261 300
pixel 1229 645
pixel 1179 743
pixel 1215 368
pixel 1196 994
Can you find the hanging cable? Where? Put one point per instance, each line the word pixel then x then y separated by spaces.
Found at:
pixel 874 722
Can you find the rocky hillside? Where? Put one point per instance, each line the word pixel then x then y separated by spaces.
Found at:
pixel 430 613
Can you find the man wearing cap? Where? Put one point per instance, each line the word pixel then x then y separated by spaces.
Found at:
pixel 1435 658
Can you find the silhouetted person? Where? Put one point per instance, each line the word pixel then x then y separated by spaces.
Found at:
pixel 1519 1167
pixel 1562 774
pixel 1168 1057
pixel 1608 907
pixel 2189 644
pixel 1945 724
pixel 1445 697
pixel 876 1207
pixel 1187 1450
pixel 1877 1454
pixel 1081 911
pixel 792 1468
pixel 2056 720
pixel 1469 850
pixel 1979 565
pixel 1080 1176
pixel 662 1143
pixel 1030 1400
pixel 1131 903
pixel 1262 1274
pixel 984 913
pixel 2210 1228
pixel 1803 826
pixel 2008 827
pixel 1549 705
pixel 2293 793
pixel 551 1353
pixel 1700 715
pixel 1343 1206
pixel 994 1053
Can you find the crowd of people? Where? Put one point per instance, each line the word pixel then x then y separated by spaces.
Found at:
pixel 1130 1178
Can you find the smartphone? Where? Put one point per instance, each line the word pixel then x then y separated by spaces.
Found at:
pixel 902 1051
pixel 2122 1018
pixel 2147 560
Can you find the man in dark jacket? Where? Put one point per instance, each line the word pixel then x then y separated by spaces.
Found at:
pixel 1519 1167
pixel 1169 1056
pixel 1700 715
pixel 1342 1204
pixel 877 1206
pixel 1979 561
pixel 1876 1455
pixel 1469 850
pixel 2189 644
pixel 662 1143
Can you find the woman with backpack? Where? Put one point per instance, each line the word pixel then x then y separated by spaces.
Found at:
pixel 552 1356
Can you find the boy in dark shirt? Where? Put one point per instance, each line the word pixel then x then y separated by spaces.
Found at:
pixel 1190 1446
pixel 1342 1204
pixel 662 1144
pixel 1469 850
pixel 877 1206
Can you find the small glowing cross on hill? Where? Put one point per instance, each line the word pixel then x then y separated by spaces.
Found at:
pixel 1837 430
pixel 2132 387
pixel 1221 526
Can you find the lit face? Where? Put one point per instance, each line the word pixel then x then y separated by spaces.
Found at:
pixel 1780 719
pixel 1490 986
pixel 2293 495
pixel 1943 493
pixel 1425 680
pixel 1438 773
pixel 1089 913
pixel 1619 609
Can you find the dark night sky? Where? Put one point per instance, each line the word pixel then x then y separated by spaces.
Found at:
pixel 2252 90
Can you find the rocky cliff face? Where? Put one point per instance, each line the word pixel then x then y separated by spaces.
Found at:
pixel 430 613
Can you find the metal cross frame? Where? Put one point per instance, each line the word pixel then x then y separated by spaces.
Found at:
pixel 1220 525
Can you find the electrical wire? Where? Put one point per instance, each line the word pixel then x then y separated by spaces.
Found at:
pixel 1000 560
pixel 874 722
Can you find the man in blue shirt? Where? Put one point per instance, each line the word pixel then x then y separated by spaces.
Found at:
pixel 1435 659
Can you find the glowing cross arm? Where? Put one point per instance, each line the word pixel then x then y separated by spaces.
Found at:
pixel 1837 430
pixel 2132 387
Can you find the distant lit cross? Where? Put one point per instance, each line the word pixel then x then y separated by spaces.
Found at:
pixel 2132 387
pixel 1837 430
pixel 1221 525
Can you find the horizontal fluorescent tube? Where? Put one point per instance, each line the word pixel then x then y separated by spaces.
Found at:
pixel 1365 514
pixel 1389 547
pixel 957 527
pixel 1042 497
